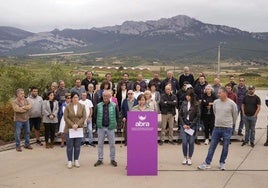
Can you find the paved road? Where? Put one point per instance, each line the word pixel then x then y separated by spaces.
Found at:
pixel 246 167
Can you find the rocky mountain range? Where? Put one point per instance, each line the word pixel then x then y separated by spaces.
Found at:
pixel 166 38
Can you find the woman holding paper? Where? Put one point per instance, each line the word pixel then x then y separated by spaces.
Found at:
pixel 188 116
pixel 74 116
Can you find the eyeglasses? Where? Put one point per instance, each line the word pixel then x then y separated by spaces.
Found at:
pixel 130 93
pixel 68 98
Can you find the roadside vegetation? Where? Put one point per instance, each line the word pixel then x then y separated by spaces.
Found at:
pixel 42 71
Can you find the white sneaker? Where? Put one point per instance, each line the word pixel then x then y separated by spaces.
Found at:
pixel 222 166
pixel 69 164
pixel 206 141
pixel 203 166
pixel 189 161
pixel 76 164
pixel 184 162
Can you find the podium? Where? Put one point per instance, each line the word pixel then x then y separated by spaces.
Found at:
pixel 142 132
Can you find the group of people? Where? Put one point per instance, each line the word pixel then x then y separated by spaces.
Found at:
pixel 106 105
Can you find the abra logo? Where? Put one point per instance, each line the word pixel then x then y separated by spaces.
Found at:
pixel 141 118
pixel 141 122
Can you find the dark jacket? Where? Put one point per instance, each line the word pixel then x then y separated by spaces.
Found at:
pixel 119 98
pixel 174 84
pixel 200 90
pixel 168 104
pixel 204 103
pixel 128 83
pixel 193 113
pixel 142 84
pixel 125 108
pixel 85 82
pixel 183 78
pixel 95 100
pixel 157 82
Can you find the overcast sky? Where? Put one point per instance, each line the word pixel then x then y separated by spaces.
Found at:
pixel 46 15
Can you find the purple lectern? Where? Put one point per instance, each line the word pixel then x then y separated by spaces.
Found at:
pixel 142 130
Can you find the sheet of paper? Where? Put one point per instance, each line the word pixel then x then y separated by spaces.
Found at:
pixel 189 131
pixel 78 133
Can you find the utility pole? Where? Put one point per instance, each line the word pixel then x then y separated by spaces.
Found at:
pixel 219 61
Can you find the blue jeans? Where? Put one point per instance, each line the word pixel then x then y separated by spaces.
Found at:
pixel 102 132
pixel 250 122
pixel 241 123
pixel 26 128
pixel 90 133
pixel 217 134
pixel 187 143
pixel 72 147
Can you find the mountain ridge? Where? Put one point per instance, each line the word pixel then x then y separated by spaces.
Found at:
pixel 163 38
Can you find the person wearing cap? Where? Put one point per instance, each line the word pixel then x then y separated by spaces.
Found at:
pixel 127 105
pixel 251 107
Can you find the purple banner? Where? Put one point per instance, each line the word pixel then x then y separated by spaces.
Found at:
pixel 142 133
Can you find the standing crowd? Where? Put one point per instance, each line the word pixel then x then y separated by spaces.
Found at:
pixel 91 105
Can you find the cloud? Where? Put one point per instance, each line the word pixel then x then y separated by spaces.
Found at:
pixel 44 15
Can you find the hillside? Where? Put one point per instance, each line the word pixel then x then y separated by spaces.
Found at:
pixel 179 37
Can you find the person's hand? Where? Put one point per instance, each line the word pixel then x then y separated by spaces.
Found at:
pixel 75 126
pixel 124 119
pixel 51 116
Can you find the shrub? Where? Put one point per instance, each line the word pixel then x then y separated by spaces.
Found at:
pixel 251 74
pixel 6 123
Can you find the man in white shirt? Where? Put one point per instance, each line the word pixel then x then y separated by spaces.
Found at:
pixel 88 122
